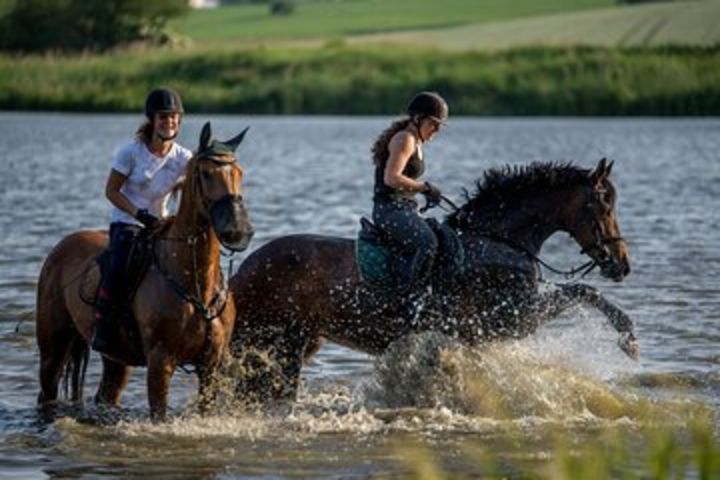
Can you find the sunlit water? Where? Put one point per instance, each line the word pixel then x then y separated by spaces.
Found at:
pixel 355 414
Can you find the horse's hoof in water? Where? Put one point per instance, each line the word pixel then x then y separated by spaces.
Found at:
pixel 629 345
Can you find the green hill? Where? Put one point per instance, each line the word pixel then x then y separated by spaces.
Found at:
pixel 650 24
pixel 460 24
pixel 327 19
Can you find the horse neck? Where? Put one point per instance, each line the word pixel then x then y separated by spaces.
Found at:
pixel 192 256
pixel 527 223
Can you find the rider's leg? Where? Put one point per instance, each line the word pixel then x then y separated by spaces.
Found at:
pixel 400 222
pixel 113 282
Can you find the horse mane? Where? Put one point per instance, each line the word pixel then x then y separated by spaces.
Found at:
pixel 510 183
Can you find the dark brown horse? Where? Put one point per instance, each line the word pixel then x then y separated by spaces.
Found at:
pixel 183 311
pixel 299 288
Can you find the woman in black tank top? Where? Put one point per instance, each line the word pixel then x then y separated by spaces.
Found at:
pixel 399 164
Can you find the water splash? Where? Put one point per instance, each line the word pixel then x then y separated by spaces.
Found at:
pixel 426 382
pixel 505 381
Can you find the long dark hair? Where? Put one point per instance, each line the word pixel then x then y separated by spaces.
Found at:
pixel 144 132
pixel 380 151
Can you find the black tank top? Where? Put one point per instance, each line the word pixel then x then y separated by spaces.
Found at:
pixel 414 169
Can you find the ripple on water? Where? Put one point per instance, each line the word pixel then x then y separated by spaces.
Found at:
pixel 569 375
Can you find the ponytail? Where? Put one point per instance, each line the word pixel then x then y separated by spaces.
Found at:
pixel 144 133
pixel 380 149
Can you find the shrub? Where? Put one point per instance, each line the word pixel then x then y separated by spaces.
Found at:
pixel 282 7
pixel 32 25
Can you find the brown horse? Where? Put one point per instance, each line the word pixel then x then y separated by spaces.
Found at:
pixel 183 310
pixel 299 288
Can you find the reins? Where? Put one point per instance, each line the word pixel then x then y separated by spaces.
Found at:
pixel 438 203
pixel 217 304
pixel 569 274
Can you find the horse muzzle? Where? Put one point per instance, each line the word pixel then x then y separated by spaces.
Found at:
pixel 615 269
pixel 231 222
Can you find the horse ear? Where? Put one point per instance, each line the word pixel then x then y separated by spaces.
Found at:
pixel 234 142
pixel 609 167
pixel 205 135
pixel 600 173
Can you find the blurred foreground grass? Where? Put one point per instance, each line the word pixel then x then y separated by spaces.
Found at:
pixel 512 416
pixel 653 452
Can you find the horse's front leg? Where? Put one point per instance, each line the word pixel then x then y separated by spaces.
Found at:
pixel 208 372
pixel 618 319
pixel 538 309
pixel 161 367
pixel 215 356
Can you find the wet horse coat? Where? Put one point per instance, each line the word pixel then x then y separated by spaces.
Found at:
pixel 298 289
pixel 173 329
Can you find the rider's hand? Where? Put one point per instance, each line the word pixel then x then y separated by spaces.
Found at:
pixel 432 193
pixel 146 218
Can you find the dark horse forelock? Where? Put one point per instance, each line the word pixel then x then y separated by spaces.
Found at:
pixel 510 183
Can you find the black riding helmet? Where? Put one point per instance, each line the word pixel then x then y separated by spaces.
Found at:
pixel 163 100
pixel 428 104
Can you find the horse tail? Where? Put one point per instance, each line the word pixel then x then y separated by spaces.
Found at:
pixel 75 370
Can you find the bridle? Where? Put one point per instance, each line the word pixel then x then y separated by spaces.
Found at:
pixel 599 244
pixel 217 304
pixel 598 250
pixel 222 160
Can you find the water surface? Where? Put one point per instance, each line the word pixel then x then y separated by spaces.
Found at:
pixel 313 174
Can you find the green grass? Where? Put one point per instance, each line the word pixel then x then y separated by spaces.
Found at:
pixel 651 24
pixel 653 453
pixel 334 19
pixel 5 6
pixel 345 80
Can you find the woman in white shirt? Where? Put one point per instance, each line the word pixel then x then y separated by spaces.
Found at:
pixel 144 173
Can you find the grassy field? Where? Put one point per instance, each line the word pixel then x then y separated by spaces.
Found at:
pixel 651 24
pixel 367 80
pixel 462 24
pixel 334 19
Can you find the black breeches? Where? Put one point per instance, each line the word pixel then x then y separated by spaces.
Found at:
pixel 121 240
pixel 410 234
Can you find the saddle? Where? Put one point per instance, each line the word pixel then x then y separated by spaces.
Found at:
pixel 380 262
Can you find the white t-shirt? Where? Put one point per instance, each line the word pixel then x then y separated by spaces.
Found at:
pixel 150 179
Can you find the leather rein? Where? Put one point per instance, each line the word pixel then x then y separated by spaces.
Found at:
pixel 599 244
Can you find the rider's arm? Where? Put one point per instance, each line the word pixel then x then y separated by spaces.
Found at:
pixel 402 147
pixel 113 193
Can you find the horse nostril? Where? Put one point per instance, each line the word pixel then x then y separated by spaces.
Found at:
pixel 626 271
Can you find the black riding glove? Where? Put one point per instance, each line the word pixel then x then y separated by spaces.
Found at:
pixel 432 194
pixel 146 218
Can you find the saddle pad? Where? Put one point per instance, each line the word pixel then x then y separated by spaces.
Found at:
pixel 378 264
pixel 374 262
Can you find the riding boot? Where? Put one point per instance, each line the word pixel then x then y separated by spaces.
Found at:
pixel 418 276
pixel 105 312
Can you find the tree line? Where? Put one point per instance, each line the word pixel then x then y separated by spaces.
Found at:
pixel 82 25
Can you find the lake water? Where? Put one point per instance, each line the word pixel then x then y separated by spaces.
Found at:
pixel 313 174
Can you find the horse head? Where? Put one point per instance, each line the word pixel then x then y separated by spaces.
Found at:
pixel 216 178
pixel 596 228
